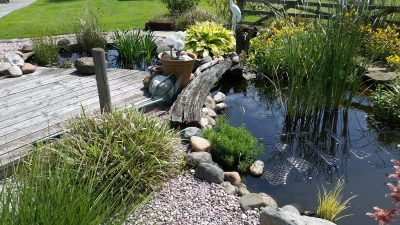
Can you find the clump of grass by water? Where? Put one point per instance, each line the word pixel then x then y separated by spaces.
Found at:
pixel 97 173
pixel 233 147
pixel 135 48
pixel 45 49
pixel 330 203
pixel 387 103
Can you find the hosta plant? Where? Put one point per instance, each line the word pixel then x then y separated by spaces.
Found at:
pixel 209 38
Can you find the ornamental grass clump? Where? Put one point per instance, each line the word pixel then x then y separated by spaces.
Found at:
pixel 233 147
pixel 209 39
pixel 45 49
pixel 330 204
pixel 386 102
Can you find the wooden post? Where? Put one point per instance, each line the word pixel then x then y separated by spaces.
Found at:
pixel 100 67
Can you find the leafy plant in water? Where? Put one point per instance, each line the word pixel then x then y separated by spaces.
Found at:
pixel 178 7
pixel 386 102
pixel 330 204
pixel 233 146
pixel 209 38
pixel 45 49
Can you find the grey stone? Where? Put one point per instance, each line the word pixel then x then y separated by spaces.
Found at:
pixel 242 190
pixel 210 173
pixel 211 121
pixel 235 60
pixel 257 168
pixel 233 178
pixel 19 53
pixel 27 55
pixel 268 199
pixel 276 216
pixel 195 158
pixel 14 71
pixel 14 59
pixel 4 68
pixel 84 65
pixel 219 97
pixel 203 122
pixel 211 113
pixel 63 42
pixel 253 200
pixel 230 189
pixel 188 132
pixel 26 48
pixel 28 68
pixel 291 208
pixel 220 106
pixel 199 144
pixel 210 103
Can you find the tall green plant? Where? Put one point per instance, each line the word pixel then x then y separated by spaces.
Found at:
pixel 387 103
pixel 178 7
pixel 45 49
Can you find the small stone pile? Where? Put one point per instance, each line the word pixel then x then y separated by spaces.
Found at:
pixel 12 64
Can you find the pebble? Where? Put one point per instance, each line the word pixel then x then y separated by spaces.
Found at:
pixel 233 178
pixel 220 106
pixel 219 97
pixel 14 71
pixel 28 68
pixel 199 144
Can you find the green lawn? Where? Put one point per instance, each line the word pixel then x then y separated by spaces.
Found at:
pixel 52 17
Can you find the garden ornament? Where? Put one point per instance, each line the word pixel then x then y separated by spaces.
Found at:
pixel 236 14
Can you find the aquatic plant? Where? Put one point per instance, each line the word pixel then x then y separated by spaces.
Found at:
pixel 45 49
pixel 386 216
pixel 233 147
pixel 330 204
pixel 209 38
pixel 386 102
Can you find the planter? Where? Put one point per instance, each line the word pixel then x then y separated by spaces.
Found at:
pixel 160 25
pixel 181 69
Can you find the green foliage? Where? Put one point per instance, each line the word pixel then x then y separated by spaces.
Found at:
pixel 222 10
pixel 317 59
pixel 233 147
pixel 188 19
pixel 330 204
pixel 135 47
pixel 89 31
pixel 178 7
pixel 45 49
pixel 381 42
pixel 66 65
pixel 387 103
pixel 209 38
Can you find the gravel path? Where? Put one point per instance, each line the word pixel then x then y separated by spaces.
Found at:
pixel 187 200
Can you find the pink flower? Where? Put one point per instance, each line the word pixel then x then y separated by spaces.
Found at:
pixel 383 216
pixel 395 194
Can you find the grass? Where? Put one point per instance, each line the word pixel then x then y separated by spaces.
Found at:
pixel 386 102
pixel 233 147
pixel 330 204
pixel 45 50
pixel 57 16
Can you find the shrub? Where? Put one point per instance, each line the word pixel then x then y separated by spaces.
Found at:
pixel 188 19
pixel 45 49
pixel 387 103
pixel 381 43
pixel 233 147
pixel 134 48
pixel 222 10
pixel 89 32
pixel 330 204
pixel 209 38
pixel 178 7
pixel 394 62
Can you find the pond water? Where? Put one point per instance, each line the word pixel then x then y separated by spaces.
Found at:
pixel 299 159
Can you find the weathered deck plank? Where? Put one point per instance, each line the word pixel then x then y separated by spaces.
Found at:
pixel 38 106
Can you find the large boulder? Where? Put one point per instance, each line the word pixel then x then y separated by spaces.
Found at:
pixel 254 200
pixel 210 173
pixel 189 132
pixel 276 216
pixel 195 158
pixel 4 68
pixel 14 71
pixel 199 144
pixel 14 59
pixel 85 65
pixel 28 68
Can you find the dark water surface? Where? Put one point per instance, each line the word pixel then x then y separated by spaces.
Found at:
pixel 299 159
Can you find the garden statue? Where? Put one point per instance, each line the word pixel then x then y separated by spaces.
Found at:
pixel 236 14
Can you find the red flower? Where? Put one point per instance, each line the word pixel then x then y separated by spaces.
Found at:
pixel 383 216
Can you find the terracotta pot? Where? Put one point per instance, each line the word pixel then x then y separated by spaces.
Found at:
pixel 181 69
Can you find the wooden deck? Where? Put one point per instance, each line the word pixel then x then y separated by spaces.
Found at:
pixel 37 106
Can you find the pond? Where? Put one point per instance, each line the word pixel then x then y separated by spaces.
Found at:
pixel 328 146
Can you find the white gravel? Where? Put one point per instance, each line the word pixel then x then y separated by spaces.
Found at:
pixel 187 200
pixel 13 45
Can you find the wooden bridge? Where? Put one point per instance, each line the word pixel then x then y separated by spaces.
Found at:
pixel 37 106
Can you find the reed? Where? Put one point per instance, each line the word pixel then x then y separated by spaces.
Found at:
pixel 45 49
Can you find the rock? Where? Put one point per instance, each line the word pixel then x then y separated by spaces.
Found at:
pixel 19 53
pixel 309 213
pixel 235 60
pixel 276 216
pixel 4 68
pixel 291 208
pixel 211 121
pixel 242 190
pixel 230 189
pixel 199 144
pixel 270 201
pixel 147 81
pixel 28 68
pixel 256 169
pixel 211 113
pixel 210 103
pixel 220 106
pixel 27 55
pixel 380 74
pixel 14 71
pixel 219 97
pixel 192 76
pixel 210 173
pixel 195 158
pixel 233 178
pixel 188 132
pixel 63 42
pixel 202 61
pixel 26 48
pixel 84 65
pixel 14 59
pixel 203 122
pixel 253 200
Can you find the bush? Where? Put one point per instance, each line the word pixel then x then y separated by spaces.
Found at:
pixel 387 103
pixel 89 32
pixel 188 19
pixel 394 62
pixel 222 10
pixel 233 147
pixel 45 49
pixel 178 7
pixel 209 38
pixel 381 43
